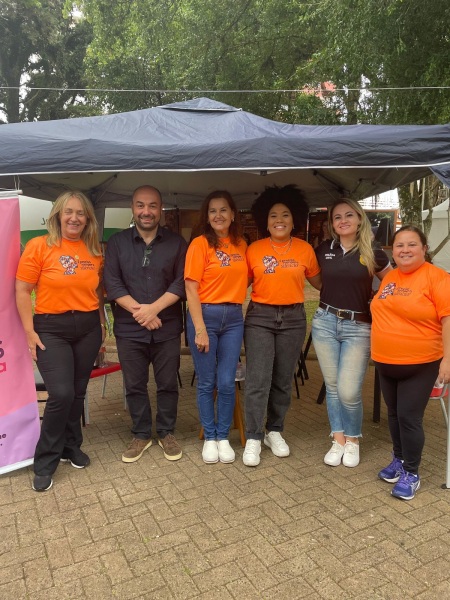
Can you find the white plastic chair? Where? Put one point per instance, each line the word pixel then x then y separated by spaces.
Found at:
pixel 443 396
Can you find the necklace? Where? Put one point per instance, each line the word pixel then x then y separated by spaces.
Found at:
pixel 75 247
pixel 287 247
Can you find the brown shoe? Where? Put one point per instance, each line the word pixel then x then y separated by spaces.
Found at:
pixel 169 444
pixel 135 450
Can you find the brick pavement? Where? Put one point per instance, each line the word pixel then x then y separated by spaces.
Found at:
pixel 290 528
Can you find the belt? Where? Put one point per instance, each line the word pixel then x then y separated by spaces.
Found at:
pixel 349 315
pixel 278 306
pixel 221 304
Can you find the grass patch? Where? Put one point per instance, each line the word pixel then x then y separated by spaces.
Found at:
pixel 311 302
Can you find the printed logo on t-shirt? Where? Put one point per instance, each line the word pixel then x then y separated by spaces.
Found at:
pixel 329 255
pixel 224 258
pixel 391 289
pixel 270 262
pixel 69 264
pixel 289 263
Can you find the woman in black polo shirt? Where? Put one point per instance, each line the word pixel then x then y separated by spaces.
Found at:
pixel 341 324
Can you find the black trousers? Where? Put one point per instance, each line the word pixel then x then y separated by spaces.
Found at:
pixel 135 357
pixel 72 341
pixel 406 391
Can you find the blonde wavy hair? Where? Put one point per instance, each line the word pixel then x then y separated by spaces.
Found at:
pixel 363 242
pixel 90 232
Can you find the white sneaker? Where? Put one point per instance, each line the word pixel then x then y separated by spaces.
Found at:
pixel 276 443
pixel 251 454
pixel 226 452
pixel 210 452
pixel 334 455
pixel 351 454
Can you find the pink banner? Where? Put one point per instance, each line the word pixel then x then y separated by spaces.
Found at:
pixel 19 416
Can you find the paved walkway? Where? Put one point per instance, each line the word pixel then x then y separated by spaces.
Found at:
pixel 290 528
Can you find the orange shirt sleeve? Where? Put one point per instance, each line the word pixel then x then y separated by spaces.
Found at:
pixel 30 264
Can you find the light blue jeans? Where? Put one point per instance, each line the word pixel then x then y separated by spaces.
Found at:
pixel 343 351
pixel 225 327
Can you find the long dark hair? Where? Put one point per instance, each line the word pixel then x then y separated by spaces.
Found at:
pixel 290 196
pixel 203 226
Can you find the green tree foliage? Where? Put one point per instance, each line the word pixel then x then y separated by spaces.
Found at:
pixel 204 45
pixel 41 46
pixel 160 45
pixel 385 44
pixel 230 44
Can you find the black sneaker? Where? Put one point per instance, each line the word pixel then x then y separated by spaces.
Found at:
pixel 42 483
pixel 77 458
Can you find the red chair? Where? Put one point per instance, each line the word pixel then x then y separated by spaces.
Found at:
pixel 104 370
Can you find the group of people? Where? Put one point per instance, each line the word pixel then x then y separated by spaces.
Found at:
pixel 149 269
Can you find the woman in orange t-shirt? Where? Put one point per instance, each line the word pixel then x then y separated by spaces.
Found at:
pixel 65 334
pixel 216 284
pixel 410 348
pixel 275 323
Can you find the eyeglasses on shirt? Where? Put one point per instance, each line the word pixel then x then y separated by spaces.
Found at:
pixel 146 259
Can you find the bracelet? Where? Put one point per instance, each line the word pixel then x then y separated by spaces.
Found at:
pixel 200 331
pixel 103 325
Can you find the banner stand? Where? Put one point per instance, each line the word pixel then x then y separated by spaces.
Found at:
pixel 15 466
pixel 19 414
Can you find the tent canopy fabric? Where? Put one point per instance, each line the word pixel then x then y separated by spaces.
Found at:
pixel 188 149
pixel 440 227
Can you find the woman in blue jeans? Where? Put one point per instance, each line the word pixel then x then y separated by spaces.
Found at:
pixel 216 284
pixel 341 324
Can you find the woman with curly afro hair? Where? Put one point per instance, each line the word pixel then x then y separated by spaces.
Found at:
pixel 275 323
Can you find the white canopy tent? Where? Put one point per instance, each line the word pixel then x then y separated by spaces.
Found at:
pixel 439 230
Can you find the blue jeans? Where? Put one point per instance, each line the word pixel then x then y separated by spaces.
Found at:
pixel 274 338
pixel 217 368
pixel 343 351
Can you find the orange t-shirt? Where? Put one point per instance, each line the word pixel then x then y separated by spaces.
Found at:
pixel 280 279
pixel 66 276
pixel 221 273
pixel 406 316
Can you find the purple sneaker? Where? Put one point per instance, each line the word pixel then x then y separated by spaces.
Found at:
pixel 407 486
pixel 392 472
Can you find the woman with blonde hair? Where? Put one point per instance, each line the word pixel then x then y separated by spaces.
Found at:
pixel 341 324
pixel 66 331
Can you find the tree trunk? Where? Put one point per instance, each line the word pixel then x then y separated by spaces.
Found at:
pixel 410 203
pixel 12 104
